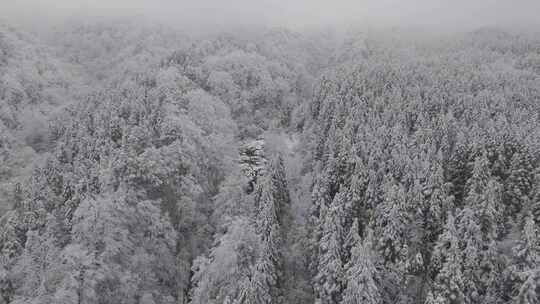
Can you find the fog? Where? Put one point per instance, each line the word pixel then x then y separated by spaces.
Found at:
pixel 447 14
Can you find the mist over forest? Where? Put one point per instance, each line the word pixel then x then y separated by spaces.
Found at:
pixel 269 152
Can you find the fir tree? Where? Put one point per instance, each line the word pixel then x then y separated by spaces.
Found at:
pixel 470 237
pixel 534 202
pixel 361 274
pixel 272 215
pixel 519 183
pixel 440 202
pixel 263 280
pixel 526 261
pixel 329 278
pixel 449 286
pixel 392 223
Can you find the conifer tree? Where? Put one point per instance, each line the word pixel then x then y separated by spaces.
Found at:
pixel 519 183
pixel 361 273
pixel 268 268
pixel 534 202
pixel 440 201
pixel 478 181
pixel 525 264
pixel 470 237
pixel 484 198
pixel 392 223
pixel 489 211
pixel 350 240
pixel 273 214
pixel 449 285
pixel 265 278
pixel 329 278
pixel 479 227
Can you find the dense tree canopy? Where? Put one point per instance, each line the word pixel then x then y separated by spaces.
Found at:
pixel 141 165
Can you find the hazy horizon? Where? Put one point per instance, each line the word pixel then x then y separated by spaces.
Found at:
pixel 297 14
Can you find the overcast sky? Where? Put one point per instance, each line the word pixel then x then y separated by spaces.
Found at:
pixel 291 13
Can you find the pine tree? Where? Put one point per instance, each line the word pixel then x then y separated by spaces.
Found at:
pixel 350 241
pixel 323 192
pixel 263 280
pixel 519 183
pixel 449 286
pixel 361 274
pixel 470 237
pixel 479 227
pixel 484 198
pixel 269 266
pixel 526 261
pixel 329 278
pixel 459 172
pixel 478 181
pixel 535 199
pixel 273 214
pixel 437 203
pixel 440 202
pixel 358 188
pixel 391 223
pixel 489 211
pixel 281 191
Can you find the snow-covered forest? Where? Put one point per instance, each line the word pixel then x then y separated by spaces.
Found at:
pixel 140 164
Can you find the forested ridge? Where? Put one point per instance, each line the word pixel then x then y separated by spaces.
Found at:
pixel 143 165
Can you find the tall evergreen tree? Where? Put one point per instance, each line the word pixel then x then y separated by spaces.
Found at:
pixel 273 214
pixel 440 201
pixel 525 265
pixel 361 273
pixel 471 242
pixel 479 227
pixel 392 223
pixel 329 278
pixel 449 285
pixel 519 183
pixel 534 202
